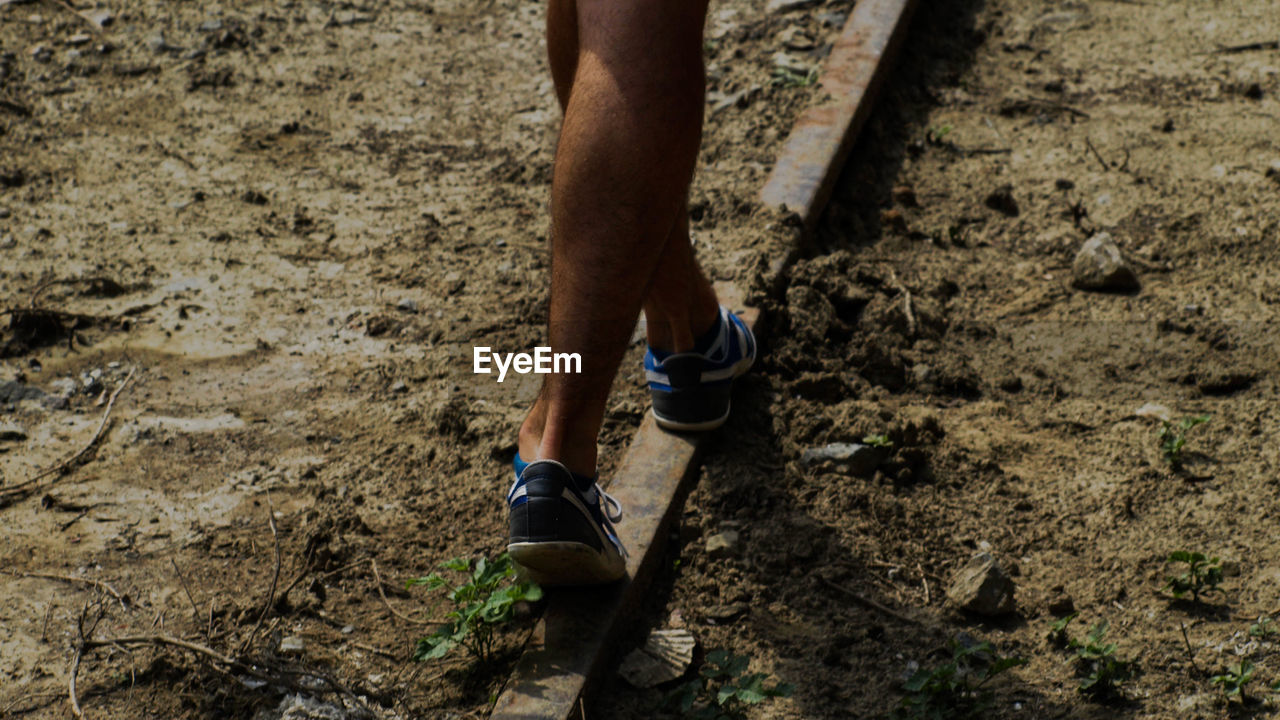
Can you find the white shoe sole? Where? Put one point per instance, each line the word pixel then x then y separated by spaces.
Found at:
pixel 565 563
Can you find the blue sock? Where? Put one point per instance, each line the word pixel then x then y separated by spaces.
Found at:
pixel 701 344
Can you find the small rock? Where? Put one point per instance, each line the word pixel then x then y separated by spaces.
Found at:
pixel 41 54
pixel 292 645
pixel 10 432
pixel 55 402
pixel 79 39
pixel 726 613
pixel 1198 703
pixel 832 19
pixel 209 26
pixel 7 242
pixel 1154 411
pixel 1062 605
pixel 1001 199
pixel 157 43
pixel 1011 383
pixel 786 6
pixel 1099 266
pixel 407 305
pixel 348 629
pixel 791 63
pixel 66 387
pixel 399 387
pixel 298 707
pixel 794 38
pixel 4 213
pixel 12 391
pixel 665 656
pixel 982 587
pixel 861 460
pixel 722 544
pixel 101 18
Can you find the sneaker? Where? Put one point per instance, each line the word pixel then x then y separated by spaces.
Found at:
pixel 691 390
pixel 562 527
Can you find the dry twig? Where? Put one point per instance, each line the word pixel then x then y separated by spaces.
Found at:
pixel 377 578
pixel 275 577
pixel 873 604
pixel 92 582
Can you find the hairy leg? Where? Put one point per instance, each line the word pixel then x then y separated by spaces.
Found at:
pixel 629 75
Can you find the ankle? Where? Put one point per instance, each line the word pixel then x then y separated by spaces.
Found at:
pixel 688 333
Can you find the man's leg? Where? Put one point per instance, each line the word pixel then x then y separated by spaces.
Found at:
pixel 630 78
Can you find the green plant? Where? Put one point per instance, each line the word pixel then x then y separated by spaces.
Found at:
pixel 1264 628
pixel 723 689
pixel 1202 576
pixel 1058 631
pixel 483 603
pixel 955 689
pixel 1103 673
pixel 937 134
pixel 1173 437
pixel 878 441
pixel 1234 680
pixel 786 77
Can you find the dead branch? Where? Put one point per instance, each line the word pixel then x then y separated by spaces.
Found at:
pixel 1089 144
pixel 906 302
pixel 195 610
pixel 377 577
pixel 91 582
pixel 275 577
pixel 868 602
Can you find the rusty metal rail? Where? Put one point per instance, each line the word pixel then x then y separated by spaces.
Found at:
pixel 822 137
pixel 571 645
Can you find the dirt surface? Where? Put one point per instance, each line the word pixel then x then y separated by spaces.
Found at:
pixel 936 306
pixel 287 225
pixel 292 223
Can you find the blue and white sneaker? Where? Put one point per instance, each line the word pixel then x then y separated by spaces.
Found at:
pixel 562 527
pixel 690 390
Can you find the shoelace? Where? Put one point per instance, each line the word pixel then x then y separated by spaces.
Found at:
pixel 612 508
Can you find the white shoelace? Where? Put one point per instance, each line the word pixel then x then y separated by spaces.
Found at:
pixel 612 508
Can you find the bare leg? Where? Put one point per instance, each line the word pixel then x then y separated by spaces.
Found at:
pixel 629 75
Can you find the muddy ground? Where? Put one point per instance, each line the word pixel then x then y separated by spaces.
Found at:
pixel 293 221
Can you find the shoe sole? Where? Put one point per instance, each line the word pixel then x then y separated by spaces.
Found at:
pixel 565 563
pixel 674 425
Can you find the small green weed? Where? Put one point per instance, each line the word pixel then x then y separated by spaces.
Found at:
pixel 1173 437
pixel 1101 671
pixel 1264 628
pixel 937 134
pixel 786 77
pixel 955 689
pixel 1202 576
pixel 482 604
pixel 1057 635
pixel 1234 680
pixel 723 689
pixel 878 441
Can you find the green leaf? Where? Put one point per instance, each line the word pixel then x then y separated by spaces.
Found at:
pixel 458 564
pixel 433 582
pixel 917 681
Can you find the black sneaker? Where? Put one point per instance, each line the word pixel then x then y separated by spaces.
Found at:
pixel 690 390
pixel 562 527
